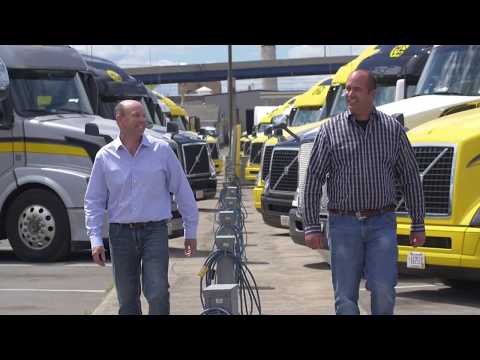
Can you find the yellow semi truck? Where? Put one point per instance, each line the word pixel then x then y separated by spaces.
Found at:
pixel 303 114
pixel 254 147
pixel 448 154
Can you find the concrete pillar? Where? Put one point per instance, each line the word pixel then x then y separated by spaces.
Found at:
pixel 269 53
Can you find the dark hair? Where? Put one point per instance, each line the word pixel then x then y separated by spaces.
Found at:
pixel 372 82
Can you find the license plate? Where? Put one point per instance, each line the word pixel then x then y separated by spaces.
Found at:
pixel 284 220
pixel 199 194
pixel 416 260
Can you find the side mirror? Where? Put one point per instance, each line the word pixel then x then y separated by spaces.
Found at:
pixel 278 132
pixel 400 118
pixel 92 129
pixel 254 133
pixel 4 80
pixel 197 124
pixel 172 128
pixel 268 131
pixel 400 89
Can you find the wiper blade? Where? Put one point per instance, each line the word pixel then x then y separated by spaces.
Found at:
pixel 446 93
pixel 70 111
pixel 37 111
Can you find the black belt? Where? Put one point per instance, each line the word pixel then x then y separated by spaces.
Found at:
pixel 137 225
pixel 363 214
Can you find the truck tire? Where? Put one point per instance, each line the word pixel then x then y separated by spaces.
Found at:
pixel 38 227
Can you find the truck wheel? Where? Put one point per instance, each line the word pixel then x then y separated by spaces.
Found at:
pixel 38 227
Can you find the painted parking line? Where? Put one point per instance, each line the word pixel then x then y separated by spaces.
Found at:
pixel 16 265
pixel 53 265
pixel 55 290
pixel 87 265
pixel 411 286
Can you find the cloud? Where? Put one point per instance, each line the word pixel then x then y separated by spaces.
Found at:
pixel 303 51
pixel 136 55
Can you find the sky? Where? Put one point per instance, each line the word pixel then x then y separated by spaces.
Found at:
pixel 158 55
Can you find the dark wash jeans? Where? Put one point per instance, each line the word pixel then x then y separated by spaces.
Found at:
pixel 363 247
pixel 144 252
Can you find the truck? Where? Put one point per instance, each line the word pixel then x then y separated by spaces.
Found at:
pixel 179 116
pixel 297 120
pixel 447 150
pixel 49 136
pixel 448 85
pixel 280 178
pixel 256 140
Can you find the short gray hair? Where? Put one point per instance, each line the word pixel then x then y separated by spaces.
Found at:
pixel 119 109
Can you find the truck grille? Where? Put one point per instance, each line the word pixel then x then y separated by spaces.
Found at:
pixel 436 181
pixel 266 158
pixel 214 150
pixel 255 153
pixel 196 159
pixel 284 170
pixel 246 148
pixel 303 161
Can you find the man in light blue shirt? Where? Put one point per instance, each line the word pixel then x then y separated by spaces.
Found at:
pixel 132 177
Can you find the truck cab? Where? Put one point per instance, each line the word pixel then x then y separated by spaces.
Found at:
pixel 194 152
pixel 48 149
pixel 448 155
pixel 282 156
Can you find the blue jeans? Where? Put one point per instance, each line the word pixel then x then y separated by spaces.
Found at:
pixel 141 251
pixel 363 247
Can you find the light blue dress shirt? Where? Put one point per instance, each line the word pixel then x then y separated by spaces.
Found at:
pixel 137 188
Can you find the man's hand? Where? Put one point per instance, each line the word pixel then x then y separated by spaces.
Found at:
pixel 417 238
pixel 190 247
pixel 98 254
pixel 316 241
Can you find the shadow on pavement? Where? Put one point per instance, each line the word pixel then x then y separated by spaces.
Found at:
pixel 318 266
pixel 8 257
pixel 257 262
pixel 281 234
pixel 455 296
pixel 207 210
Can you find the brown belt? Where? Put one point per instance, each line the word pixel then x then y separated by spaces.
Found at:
pixel 363 214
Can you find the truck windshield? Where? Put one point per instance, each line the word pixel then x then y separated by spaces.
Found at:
pixel 279 119
pixel 384 94
pixel 451 70
pixel 43 92
pixel 178 120
pixel 306 116
pixel 262 127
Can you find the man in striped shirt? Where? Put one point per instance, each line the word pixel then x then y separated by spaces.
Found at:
pixel 360 153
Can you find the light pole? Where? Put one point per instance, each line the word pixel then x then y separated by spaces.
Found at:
pixel 231 123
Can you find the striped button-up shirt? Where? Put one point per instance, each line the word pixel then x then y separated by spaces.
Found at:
pixel 137 188
pixel 362 166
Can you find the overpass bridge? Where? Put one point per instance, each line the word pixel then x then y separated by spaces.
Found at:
pixel 240 70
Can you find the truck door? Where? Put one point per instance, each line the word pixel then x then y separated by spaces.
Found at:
pixel 7 178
